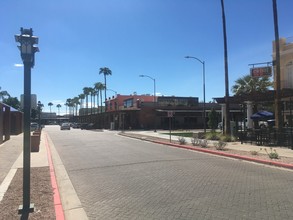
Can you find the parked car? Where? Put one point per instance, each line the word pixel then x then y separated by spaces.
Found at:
pixel 265 124
pixel 75 125
pixel 87 126
pixel 65 126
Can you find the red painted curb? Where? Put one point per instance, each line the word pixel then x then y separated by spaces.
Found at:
pixel 57 201
pixel 267 162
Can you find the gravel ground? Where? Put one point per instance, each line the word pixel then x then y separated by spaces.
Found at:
pixel 41 196
pixel 260 155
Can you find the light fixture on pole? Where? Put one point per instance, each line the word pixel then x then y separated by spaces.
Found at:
pixel 154 95
pixel 204 89
pixel 27 51
pixel 113 91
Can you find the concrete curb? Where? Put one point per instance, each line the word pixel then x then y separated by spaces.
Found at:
pixel 71 204
pixel 267 162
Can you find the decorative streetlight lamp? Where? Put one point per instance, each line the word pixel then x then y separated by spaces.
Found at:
pixel 154 94
pixel 27 51
pixel 204 90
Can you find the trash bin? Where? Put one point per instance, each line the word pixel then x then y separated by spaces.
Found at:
pixel 35 142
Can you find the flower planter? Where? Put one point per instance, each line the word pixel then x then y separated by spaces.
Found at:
pixel 35 143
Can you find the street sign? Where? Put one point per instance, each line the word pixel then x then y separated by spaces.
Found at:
pixel 261 71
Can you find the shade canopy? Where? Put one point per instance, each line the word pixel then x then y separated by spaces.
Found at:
pixel 262 115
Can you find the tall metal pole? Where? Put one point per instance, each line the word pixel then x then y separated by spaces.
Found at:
pixel 154 80
pixel 27 207
pixel 204 90
pixel 204 97
pixel 27 50
pixel 227 130
pixel 278 69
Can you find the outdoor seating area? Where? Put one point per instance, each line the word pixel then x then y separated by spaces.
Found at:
pixel 268 137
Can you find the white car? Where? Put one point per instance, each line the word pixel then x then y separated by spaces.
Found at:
pixel 65 126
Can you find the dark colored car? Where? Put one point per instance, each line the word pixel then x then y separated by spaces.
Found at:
pixel 75 125
pixel 87 126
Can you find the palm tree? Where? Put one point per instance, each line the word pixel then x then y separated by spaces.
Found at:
pixel 50 104
pixel 106 71
pixel 227 130
pixel 75 103
pixel 91 93
pixel 86 92
pixel 248 84
pixel 102 87
pixel 98 87
pixel 81 98
pixel 68 104
pixel 58 106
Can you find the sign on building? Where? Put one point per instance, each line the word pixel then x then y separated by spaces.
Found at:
pixel 261 71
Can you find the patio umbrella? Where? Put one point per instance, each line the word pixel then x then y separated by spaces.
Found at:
pixel 261 115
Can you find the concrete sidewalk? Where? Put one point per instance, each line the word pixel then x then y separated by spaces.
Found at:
pixel 66 202
pixel 11 158
pixel 247 147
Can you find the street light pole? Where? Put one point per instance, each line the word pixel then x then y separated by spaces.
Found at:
pixel 204 89
pixel 113 91
pixel 27 51
pixel 154 80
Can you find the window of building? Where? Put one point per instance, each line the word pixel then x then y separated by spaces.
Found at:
pixel 128 103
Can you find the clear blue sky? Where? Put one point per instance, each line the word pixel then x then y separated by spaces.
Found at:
pixel 133 37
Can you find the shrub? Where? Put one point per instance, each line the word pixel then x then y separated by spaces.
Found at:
pixel 273 154
pixel 195 141
pixel 227 138
pixel 181 140
pixel 204 143
pixel 254 152
pixel 213 136
pixel 220 145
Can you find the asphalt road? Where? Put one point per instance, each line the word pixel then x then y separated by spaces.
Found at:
pixel 121 178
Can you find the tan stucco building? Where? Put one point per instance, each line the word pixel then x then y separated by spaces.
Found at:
pixel 286 74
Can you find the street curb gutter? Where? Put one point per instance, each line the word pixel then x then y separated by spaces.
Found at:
pixel 219 153
pixel 57 201
pixel 71 204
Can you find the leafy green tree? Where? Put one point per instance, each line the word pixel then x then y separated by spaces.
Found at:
pixel 3 95
pixel 213 120
pixel 13 102
pixel 34 113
